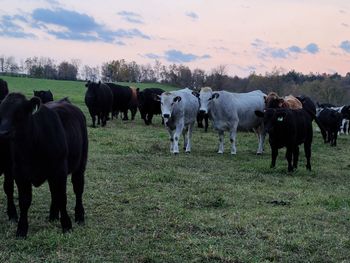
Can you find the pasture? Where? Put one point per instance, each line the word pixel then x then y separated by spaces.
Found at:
pixel 144 205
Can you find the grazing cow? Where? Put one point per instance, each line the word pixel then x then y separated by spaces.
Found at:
pixel 48 142
pixel 124 98
pixel 148 103
pixel 231 111
pixel 99 100
pixel 272 100
pixel 179 110
pixel 3 89
pixel 45 96
pixel 331 121
pixel 288 128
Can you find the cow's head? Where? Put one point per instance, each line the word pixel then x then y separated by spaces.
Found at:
pixel 206 96
pixel 272 118
pixel 167 104
pixel 91 88
pixel 15 110
pixel 272 100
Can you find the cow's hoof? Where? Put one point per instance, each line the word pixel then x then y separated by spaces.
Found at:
pixel 259 153
pixel 188 152
pixel 233 153
pixel 21 234
pixel 175 153
pixel 220 152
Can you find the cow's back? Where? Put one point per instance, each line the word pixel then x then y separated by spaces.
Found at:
pixel 231 107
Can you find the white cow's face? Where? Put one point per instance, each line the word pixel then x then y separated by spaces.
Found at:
pixel 167 103
pixel 205 97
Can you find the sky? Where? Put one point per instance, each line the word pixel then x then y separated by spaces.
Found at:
pixel 243 35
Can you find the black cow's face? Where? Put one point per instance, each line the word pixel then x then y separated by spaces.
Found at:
pixel 91 88
pixel 15 109
pixel 346 112
pixel 272 118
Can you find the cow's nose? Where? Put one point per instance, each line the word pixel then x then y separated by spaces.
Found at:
pixel 202 112
pixel 166 116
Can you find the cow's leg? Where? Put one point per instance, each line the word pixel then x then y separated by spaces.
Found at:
pixel 199 121
pixel 184 134
pixel 93 117
pixel 58 186
pixel 125 118
pixel 171 135
pixel 189 137
pixel 206 124
pixel 289 155
pixel 233 134
pixel 150 117
pixel 295 157
pixel 335 136
pixel 9 188
pixel 307 149
pixel 221 142
pixel 133 113
pixel 78 187
pixel 25 200
pixel 274 153
pixel 104 119
pixel 177 134
pixel 261 139
pixel 99 118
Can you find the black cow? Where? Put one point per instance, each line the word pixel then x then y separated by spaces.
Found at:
pixel 124 98
pixel 48 142
pixel 288 128
pixel 6 164
pixel 3 89
pixel 331 121
pixel 99 100
pixel 44 95
pixel 148 104
pixel 200 117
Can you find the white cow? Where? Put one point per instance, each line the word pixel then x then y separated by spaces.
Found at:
pixel 229 111
pixel 179 110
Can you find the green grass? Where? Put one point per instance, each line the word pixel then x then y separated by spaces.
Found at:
pixel 145 205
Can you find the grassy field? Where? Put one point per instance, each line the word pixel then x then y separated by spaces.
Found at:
pixel 144 205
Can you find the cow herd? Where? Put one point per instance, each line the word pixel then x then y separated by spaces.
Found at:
pixel 42 139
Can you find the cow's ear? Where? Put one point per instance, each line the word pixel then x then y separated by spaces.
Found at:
pixel 34 104
pixel 156 97
pixel 87 84
pixel 259 113
pixel 195 93
pixel 177 99
pixel 215 96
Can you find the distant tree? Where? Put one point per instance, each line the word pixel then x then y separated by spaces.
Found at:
pixel 67 71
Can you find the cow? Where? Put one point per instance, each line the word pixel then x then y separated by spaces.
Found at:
pixel 148 104
pixel 3 89
pixel 331 121
pixel 44 95
pixel 48 142
pixel 231 111
pixel 6 164
pixel 124 98
pixel 99 100
pixel 288 128
pixel 179 110
pixel 200 118
pixel 272 100
pixel 344 111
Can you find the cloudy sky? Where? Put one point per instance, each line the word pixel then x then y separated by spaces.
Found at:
pixel 244 35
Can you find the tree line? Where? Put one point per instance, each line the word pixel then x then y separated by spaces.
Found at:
pixel 331 88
